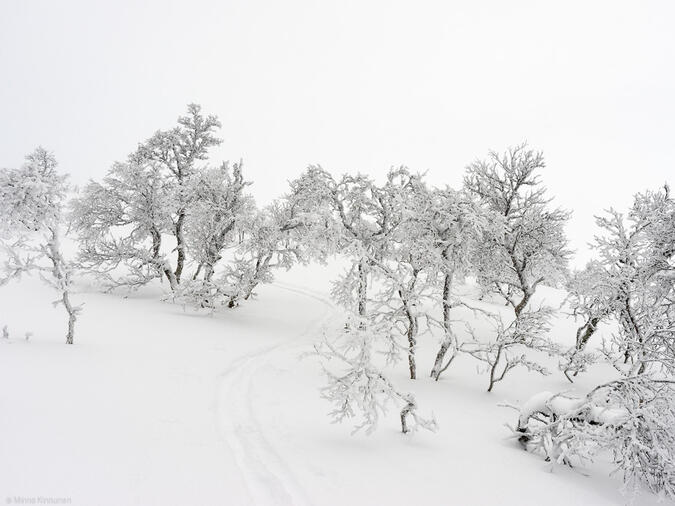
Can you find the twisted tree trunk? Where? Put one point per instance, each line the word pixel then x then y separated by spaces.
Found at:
pixel 62 281
pixel 449 339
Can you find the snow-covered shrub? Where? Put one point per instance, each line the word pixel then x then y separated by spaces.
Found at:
pixel 513 344
pixel 356 386
pixel 631 419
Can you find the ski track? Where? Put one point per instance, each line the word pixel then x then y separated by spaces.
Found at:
pixel 269 479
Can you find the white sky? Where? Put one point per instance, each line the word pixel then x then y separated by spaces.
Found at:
pixel 353 85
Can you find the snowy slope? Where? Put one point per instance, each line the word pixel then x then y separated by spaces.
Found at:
pixel 155 405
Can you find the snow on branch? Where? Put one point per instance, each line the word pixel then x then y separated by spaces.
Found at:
pixel 630 419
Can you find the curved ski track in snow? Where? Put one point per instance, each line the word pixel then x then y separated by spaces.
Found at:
pixel 268 478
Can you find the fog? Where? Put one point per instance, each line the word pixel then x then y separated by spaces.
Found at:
pixel 353 86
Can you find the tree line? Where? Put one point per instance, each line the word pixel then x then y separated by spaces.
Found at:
pixel 167 214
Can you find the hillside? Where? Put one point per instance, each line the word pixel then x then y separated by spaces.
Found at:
pixel 155 404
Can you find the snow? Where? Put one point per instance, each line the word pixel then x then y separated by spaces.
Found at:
pixel 157 405
pixel 547 402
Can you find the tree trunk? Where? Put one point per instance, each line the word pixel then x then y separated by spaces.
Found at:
pixel 438 368
pixel 159 263
pixel 208 272
pixel 180 246
pixel 449 338
pixel 493 369
pixel 523 303
pixel 363 291
pixel 404 416
pixel 363 288
pixel 412 341
pixel 72 317
pixel 62 281
pixel 584 333
pixel 197 272
pixel 261 266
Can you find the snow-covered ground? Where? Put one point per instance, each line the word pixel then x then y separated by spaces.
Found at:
pixel 156 405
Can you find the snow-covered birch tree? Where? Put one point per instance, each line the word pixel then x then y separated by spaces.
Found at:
pixel 32 198
pixel 360 220
pixel 452 224
pixel 591 299
pixel 178 152
pixel 529 249
pixel 219 203
pixel 121 223
pixel 637 253
pixel 406 279
pixel 165 188
pixel 630 418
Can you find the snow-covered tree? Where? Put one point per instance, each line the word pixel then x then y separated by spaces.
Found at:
pixel 512 260
pixel 630 282
pixel 404 288
pixel 401 237
pixel 363 220
pixel 531 248
pixel 637 253
pixel 120 224
pixel 261 240
pixel 591 299
pixel 219 203
pixel 631 418
pixel 163 189
pixel 32 198
pixel 270 242
pixel 178 152
pixel 404 268
pixel 452 224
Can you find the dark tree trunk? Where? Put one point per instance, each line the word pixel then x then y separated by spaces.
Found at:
pixel 523 303
pixel 208 272
pixel 412 341
pixel 493 370
pixel 180 246
pixel 449 338
pixel 363 288
pixel 197 272
pixel 72 317
pixel 584 333
pixel 404 416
